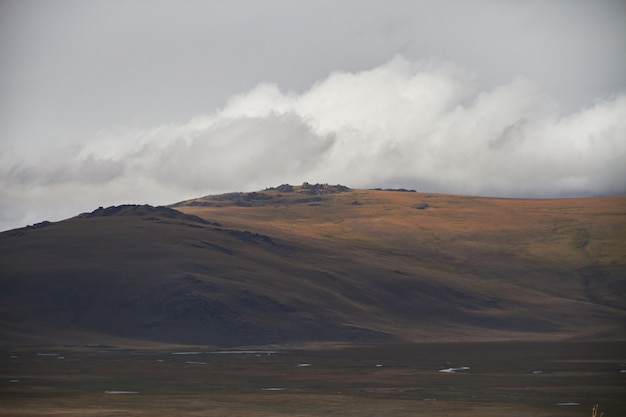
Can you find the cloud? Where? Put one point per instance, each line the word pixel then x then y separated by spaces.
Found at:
pixel 227 153
pixel 420 124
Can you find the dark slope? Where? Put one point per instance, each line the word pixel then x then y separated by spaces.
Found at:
pixel 158 274
pixel 315 263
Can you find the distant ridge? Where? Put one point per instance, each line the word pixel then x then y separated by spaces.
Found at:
pixel 276 196
pixel 142 210
pixel 320 263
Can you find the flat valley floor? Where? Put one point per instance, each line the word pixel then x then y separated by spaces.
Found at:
pixel 443 379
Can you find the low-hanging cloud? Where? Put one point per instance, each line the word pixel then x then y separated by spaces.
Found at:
pixel 421 125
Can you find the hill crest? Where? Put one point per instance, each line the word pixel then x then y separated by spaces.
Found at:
pixel 349 265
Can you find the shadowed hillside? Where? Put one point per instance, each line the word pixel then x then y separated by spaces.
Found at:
pixel 320 263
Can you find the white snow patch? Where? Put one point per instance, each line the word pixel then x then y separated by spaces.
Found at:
pixel 272 389
pixel 303 365
pixel 196 363
pixel 14 381
pixel 454 370
pixel 568 404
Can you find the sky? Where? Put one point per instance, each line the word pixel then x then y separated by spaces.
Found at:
pixel 107 102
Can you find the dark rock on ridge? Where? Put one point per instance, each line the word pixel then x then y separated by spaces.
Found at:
pixel 143 210
pixel 323 188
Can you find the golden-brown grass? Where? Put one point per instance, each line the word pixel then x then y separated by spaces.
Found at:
pixel 576 231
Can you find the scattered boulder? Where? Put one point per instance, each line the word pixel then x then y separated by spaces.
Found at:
pixel 421 206
pixel 323 188
pixel 239 199
pixel 39 225
pixel 263 198
pixel 284 188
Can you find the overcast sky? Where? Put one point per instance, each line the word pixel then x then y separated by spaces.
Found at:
pixel 145 101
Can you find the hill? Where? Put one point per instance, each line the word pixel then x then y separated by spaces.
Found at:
pixel 316 263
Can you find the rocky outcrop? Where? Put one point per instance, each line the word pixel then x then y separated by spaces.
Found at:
pixel 316 189
pixel 147 211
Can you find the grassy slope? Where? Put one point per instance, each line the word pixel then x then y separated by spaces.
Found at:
pixel 324 267
pixel 511 263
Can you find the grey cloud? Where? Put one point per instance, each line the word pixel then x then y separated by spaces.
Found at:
pixel 55 170
pixel 233 152
pixel 511 136
pixel 72 67
pixel 501 98
pixel 402 119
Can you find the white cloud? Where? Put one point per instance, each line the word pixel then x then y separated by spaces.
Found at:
pixel 421 125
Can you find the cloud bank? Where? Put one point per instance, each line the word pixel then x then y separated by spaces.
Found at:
pixel 421 125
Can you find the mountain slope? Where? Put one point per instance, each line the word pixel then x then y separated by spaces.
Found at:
pixel 320 263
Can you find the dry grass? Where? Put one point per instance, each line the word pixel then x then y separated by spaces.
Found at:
pixel 574 231
pixel 594 411
pixel 341 381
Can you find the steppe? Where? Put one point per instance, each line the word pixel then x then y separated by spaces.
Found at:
pixel 318 300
